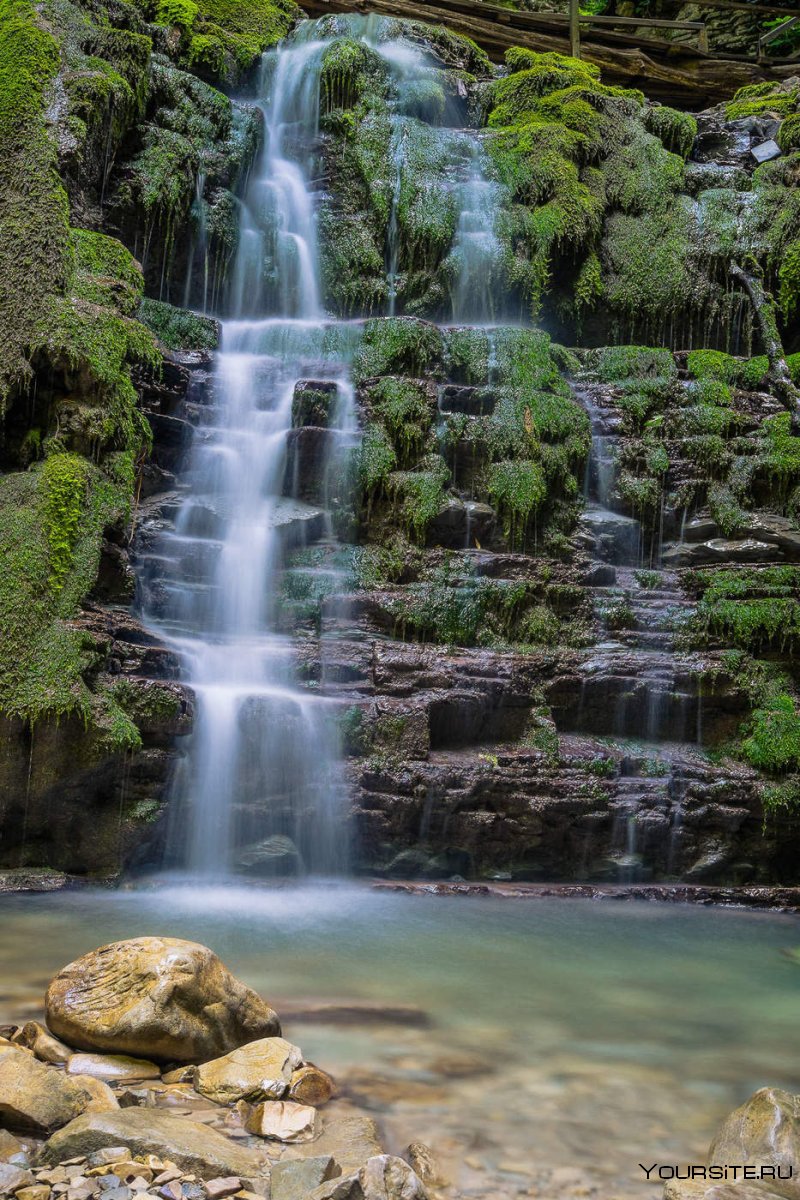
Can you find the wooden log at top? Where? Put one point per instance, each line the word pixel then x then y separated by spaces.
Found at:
pixel 671 72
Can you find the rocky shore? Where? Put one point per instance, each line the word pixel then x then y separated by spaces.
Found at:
pixel 161 1075
pixel 775 899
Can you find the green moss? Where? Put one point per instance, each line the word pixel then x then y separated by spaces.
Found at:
pixel 676 130
pixel 454 50
pixel 750 608
pixel 518 489
pixel 467 354
pixel 788 136
pixel 781 796
pixel 614 364
pixel 225 38
pixel 64 479
pixel 773 741
pixel 552 120
pixel 726 509
pixel 714 365
pixel 419 495
pixel 35 249
pixel 398 345
pixel 182 13
pixel 640 176
pixel 648 259
pixel 178 328
pixel 51 523
pixel 376 459
pixel 779 452
pixel 789 281
pixel 349 72
pixel 758 98
pixel 405 410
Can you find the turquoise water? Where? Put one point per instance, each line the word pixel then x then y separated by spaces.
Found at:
pixel 566 1041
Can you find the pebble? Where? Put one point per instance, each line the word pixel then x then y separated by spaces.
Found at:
pixel 36 1191
pixel 216 1189
pixel 170 1191
pixel 110 1154
pixel 13 1177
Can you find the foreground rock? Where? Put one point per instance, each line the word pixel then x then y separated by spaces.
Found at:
pixel 35 1037
pixel 35 1098
pixel 762 1135
pixel 382 1177
pixel 763 1132
pixel 261 1070
pixel 187 1143
pixel 112 1066
pixel 159 998
pixel 282 1121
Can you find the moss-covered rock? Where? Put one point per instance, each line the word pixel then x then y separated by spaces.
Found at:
pixel 222 40
pixel 178 328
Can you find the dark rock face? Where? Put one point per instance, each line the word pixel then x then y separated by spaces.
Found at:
pixel 70 800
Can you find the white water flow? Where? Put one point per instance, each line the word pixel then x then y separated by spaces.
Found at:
pixel 260 789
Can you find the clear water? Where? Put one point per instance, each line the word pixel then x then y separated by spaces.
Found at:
pixel 597 1036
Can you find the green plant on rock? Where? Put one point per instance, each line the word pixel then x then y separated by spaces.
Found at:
pixel 615 364
pixel 783 796
pixel 225 38
pixel 376 459
pixel 405 410
pixel 467 354
pixel 758 98
pixel 779 452
pixel 714 365
pixel 750 608
pixel 773 741
pixel 397 345
pixel 788 136
pixel 350 70
pixel 178 328
pixel 726 509
pixel 518 489
pixel 65 479
pixel 676 130
pixel 419 494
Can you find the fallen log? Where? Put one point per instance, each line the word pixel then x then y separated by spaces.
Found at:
pixel 764 308
pixel 678 76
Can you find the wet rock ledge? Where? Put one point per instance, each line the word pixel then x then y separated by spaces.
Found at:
pixel 160 1075
pixel 776 899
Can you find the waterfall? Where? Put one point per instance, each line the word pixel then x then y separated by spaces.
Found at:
pixel 260 788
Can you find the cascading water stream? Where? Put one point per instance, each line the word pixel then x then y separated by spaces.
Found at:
pixel 260 787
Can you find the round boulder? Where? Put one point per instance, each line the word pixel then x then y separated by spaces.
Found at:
pixel 159 998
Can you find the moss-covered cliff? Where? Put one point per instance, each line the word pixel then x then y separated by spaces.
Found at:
pixel 473 565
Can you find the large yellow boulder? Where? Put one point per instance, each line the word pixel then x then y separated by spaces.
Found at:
pixel 159 998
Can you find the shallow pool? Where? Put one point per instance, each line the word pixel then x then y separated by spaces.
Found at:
pixel 566 1041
